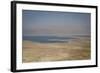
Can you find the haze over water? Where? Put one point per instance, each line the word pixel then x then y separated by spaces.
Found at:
pixel 50 23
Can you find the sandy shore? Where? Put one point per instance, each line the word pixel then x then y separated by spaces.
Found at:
pixel 77 49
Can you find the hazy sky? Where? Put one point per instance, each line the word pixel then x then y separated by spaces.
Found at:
pixel 55 23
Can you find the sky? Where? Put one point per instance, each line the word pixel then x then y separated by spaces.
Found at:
pixel 55 23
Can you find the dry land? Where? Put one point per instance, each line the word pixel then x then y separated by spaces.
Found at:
pixel 76 49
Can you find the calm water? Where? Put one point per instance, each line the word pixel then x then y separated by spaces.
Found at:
pixel 47 39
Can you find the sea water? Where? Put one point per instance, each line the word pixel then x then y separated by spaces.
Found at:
pixel 47 39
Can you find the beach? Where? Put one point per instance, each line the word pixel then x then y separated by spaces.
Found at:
pixel 75 49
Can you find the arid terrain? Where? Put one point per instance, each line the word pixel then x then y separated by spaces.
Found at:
pixel 76 49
